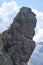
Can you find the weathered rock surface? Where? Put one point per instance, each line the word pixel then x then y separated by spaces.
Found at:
pixel 17 40
pixel 1 45
pixel 5 59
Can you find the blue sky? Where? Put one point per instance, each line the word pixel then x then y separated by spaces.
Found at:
pixel 36 4
pixel 9 9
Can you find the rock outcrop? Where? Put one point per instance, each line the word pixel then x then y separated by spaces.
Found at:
pixel 17 40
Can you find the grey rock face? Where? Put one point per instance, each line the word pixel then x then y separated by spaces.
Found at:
pixel 17 40
pixel 5 59
pixel 1 45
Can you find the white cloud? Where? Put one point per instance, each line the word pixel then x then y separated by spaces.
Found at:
pixel 7 12
pixel 39 27
pixel 39 36
pixel 28 63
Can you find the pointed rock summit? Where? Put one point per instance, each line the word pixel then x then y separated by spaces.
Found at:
pixel 17 40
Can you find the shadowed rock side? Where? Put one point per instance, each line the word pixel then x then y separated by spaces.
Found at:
pixel 17 40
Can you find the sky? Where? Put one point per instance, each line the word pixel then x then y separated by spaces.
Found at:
pixel 37 4
pixel 10 8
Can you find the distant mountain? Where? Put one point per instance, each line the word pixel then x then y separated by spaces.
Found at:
pixel 41 43
pixel 37 55
pixel 41 50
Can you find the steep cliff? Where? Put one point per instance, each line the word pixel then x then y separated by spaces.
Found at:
pixel 17 40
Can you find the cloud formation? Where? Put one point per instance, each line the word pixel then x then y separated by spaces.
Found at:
pixel 39 27
pixel 7 12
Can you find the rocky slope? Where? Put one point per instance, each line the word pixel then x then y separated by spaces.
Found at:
pixel 17 40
